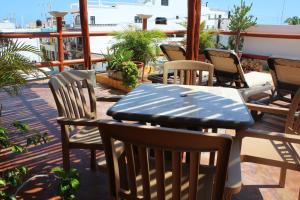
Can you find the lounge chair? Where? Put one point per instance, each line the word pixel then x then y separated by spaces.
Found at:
pixel 229 73
pixel 172 53
pixel 286 76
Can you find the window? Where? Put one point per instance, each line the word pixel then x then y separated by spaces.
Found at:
pixel 164 2
pixel 77 20
pixel 160 20
pixel 92 20
pixel 137 19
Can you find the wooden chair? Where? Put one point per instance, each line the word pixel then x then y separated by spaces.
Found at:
pixel 229 73
pixel 75 106
pixel 151 177
pixel 186 66
pixel 275 149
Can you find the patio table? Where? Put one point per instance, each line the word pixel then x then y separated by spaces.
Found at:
pixel 184 106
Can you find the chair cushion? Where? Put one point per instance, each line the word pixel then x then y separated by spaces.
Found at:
pixel 258 78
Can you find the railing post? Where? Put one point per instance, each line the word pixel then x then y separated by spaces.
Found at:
pixel 144 20
pixel 59 18
pixel 85 33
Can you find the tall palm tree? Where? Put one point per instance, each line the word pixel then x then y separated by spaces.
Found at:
pixel 293 20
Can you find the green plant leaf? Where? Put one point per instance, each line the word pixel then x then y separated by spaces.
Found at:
pixel 75 183
pixel 2 183
pixel 23 127
pixel 17 148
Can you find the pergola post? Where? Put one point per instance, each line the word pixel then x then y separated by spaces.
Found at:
pixel 144 20
pixel 85 33
pixel 60 43
pixel 193 31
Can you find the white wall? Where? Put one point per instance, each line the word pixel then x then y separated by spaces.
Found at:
pixel 273 46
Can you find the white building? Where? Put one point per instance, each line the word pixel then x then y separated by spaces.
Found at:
pixel 166 15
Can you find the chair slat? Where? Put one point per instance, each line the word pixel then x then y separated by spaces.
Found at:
pixel 78 101
pixel 80 89
pixel 181 77
pixel 65 104
pixel 176 175
pixel 194 173
pixel 160 173
pixel 68 102
pixel 73 101
pixel 175 76
pixel 143 158
pixel 131 170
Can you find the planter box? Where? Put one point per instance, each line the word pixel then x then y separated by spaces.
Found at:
pixel 114 74
pixel 104 78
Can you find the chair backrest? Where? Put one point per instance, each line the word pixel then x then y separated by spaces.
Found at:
pixel 292 125
pixel 173 52
pixel 68 89
pixel 285 73
pixel 227 65
pixel 139 139
pixel 184 67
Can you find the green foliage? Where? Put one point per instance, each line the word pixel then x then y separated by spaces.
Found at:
pixel 12 62
pixel 68 182
pixel 240 20
pixel 130 74
pixel 293 20
pixel 143 44
pixel 11 178
pixel 207 39
pixel 116 57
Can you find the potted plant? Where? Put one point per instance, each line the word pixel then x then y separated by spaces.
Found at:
pixel 121 68
pixel 142 44
pixel 240 20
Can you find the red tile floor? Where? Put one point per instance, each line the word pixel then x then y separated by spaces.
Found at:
pixel 36 106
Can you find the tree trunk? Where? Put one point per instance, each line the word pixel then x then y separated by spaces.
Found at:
pixel 237 41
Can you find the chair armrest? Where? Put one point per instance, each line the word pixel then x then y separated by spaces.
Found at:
pixel 78 122
pixel 268 109
pixel 114 98
pixel 269 135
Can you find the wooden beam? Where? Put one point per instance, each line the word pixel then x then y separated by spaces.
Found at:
pixel 85 33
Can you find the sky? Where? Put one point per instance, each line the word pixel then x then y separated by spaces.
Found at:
pixel 266 11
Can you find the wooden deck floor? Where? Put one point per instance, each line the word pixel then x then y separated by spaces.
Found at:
pixel 36 106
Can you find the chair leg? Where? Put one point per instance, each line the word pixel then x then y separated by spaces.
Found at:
pixel 66 158
pixel 227 195
pixel 93 160
pixel 282 177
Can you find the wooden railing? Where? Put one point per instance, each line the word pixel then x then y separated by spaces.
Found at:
pixel 65 34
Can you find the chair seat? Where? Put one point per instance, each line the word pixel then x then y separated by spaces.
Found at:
pixel 258 78
pixel 87 135
pixel 277 152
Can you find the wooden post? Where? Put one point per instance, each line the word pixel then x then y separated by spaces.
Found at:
pixel 193 31
pixel 145 24
pixel 144 20
pixel 85 33
pixel 60 43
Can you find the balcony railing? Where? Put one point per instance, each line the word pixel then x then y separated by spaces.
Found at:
pixel 66 34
